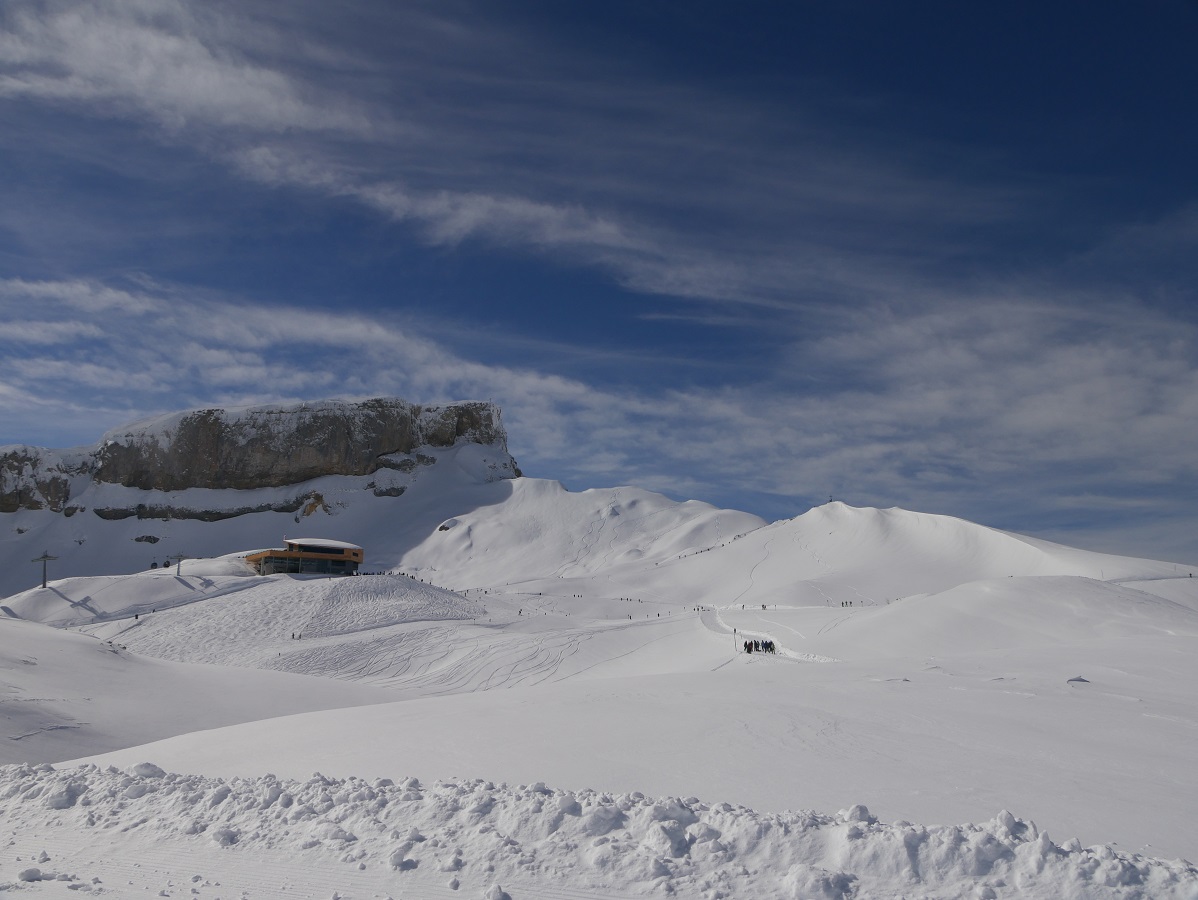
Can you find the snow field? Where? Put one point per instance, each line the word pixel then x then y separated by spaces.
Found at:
pixel 63 693
pixel 476 836
pixel 943 708
pixel 934 668
pixel 981 616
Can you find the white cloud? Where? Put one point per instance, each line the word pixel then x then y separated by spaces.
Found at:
pixel 973 408
pixel 893 390
pixel 85 296
pixel 163 60
pixel 667 189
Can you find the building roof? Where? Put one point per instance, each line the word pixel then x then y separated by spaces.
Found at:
pixel 322 542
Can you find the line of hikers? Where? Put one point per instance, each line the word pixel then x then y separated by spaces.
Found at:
pixel 759 646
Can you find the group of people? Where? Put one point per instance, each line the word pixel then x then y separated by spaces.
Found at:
pixel 759 646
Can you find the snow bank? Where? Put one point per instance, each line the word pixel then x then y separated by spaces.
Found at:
pixel 478 835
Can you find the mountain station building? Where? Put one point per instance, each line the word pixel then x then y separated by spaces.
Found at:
pixel 308 556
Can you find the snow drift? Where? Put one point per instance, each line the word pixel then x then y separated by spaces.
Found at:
pixel 479 836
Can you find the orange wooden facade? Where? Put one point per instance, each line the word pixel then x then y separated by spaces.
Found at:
pixel 312 557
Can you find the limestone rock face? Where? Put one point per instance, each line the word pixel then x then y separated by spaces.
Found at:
pixel 275 446
pixel 33 478
pixel 256 447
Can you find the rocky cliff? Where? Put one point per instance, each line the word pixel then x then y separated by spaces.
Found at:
pixel 256 447
pixel 35 478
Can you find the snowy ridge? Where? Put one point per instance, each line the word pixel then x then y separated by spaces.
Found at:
pixel 615 542
pixel 81 601
pixel 478 836
pixel 543 531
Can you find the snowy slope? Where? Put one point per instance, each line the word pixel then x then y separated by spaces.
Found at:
pixel 544 531
pixel 972 684
pixel 64 691
pixel 936 670
pixel 1041 613
pixel 618 543
pixel 664 706
pixel 461 479
pixel 78 601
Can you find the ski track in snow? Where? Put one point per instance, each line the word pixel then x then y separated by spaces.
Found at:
pixel 838 620
pixel 713 620
pixel 753 571
pixel 797 540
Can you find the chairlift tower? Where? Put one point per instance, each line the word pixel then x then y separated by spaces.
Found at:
pixel 178 558
pixel 43 559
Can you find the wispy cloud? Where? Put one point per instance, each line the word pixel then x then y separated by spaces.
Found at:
pixel 669 189
pixel 886 350
pixel 170 61
pixel 967 411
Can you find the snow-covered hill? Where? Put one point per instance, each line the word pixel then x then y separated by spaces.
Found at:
pixel 621 542
pixel 520 635
pixel 204 483
pixel 456 479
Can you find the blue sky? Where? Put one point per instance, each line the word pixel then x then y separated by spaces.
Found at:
pixel 937 255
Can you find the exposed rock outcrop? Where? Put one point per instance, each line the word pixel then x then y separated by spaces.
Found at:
pixel 34 478
pixel 257 447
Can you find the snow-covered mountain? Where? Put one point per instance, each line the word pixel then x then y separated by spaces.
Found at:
pixel 243 448
pixel 935 670
pixel 208 482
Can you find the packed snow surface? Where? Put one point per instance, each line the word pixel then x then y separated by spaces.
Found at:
pixel 519 635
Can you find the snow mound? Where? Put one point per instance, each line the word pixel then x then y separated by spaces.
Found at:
pixel 838 553
pixel 275 617
pixel 482 835
pixel 544 531
pixel 80 601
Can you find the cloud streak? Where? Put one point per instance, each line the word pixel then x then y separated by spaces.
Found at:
pixel 698 198
pixel 891 347
pixel 966 413
pixel 162 60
